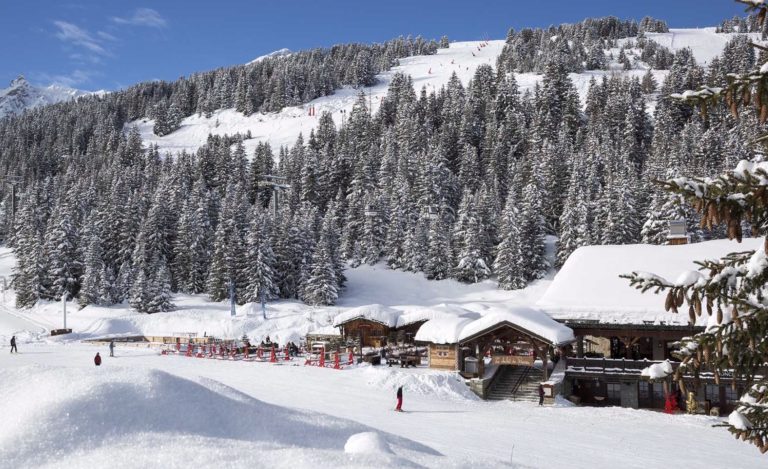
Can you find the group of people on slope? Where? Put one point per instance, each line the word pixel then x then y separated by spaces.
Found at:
pixel 97 358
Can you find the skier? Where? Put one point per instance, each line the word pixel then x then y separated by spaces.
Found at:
pixel 13 345
pixel 111 348
pixel 399 407
pixel 541 394
pixel 97 359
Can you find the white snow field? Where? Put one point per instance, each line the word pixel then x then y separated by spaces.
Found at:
pixel 142 408
pixel 430 71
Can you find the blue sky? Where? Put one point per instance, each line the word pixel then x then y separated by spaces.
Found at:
pixel 96 44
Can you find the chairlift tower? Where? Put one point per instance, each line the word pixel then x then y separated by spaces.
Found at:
pixel 277 183
pixel 12 180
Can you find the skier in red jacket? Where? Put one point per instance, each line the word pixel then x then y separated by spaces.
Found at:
pixel 97 359
pixel 399 407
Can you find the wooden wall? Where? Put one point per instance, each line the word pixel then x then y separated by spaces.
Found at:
pixel 372 332
pixel 443 357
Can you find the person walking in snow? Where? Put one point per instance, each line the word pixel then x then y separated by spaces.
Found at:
pixel 541 394
pixel 111 348
pixel 13 345
pixel 97 359
pixel 399 407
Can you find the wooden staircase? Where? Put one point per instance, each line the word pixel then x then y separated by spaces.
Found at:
pixel 515 383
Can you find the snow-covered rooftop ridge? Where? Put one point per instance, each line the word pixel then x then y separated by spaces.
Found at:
pixel 588 285
pixel 442 330
pixel 453 329
pixel 414 314
pixel 532 320
pixel 376 312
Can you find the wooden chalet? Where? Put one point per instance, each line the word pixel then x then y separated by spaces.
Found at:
pixel 370 325
pixel 621 331
pixel 487 347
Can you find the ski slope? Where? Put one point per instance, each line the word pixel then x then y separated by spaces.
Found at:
pixel 430 71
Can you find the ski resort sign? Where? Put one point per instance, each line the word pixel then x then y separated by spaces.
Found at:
pixel 526 360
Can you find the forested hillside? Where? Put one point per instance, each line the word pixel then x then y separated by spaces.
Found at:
pixel 462 182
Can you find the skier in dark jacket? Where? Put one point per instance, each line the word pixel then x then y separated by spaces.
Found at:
pixel 97 359
pixel 13 345
pixel 111 348
pixel 541 394
pixel 399 407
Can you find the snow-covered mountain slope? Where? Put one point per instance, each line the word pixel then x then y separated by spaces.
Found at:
pixel 282 128
pixel 278 53
pixel 705 43
pixel 432 72
pixel 21 95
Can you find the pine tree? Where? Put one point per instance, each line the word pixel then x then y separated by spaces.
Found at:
pixel 261 260
pixel 93 285
pixel 321 287
pixel 437 265
pixel 470 266
pixel 508 264
pixel 534 264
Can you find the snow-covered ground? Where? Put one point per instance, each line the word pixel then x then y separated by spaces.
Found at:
pixel 141 408
pixel 431 71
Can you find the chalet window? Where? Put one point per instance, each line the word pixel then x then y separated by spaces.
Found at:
pixel 712 392
pixel 645 392
pixel 614 390
pixel 732 396
pixel 658 391
pixel 442 351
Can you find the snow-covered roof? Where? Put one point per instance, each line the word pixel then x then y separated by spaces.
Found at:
pixel 414 314
pixel 588 286
pixel 532 320
pixel 376 313
pixel 442 330
pixel 325 330
pixel 453 329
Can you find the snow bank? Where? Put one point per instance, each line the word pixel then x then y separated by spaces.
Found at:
pixel 658 370
pixel 425 382
pixel 589 287
pixel 367 442
pixel 376 312
pixel 146 416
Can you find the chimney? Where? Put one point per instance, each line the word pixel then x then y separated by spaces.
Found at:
pixel 678 233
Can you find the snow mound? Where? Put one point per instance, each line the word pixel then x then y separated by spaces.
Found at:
pixel 367 442
pixel 437 384
pixel 90 416
pixel 658 370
